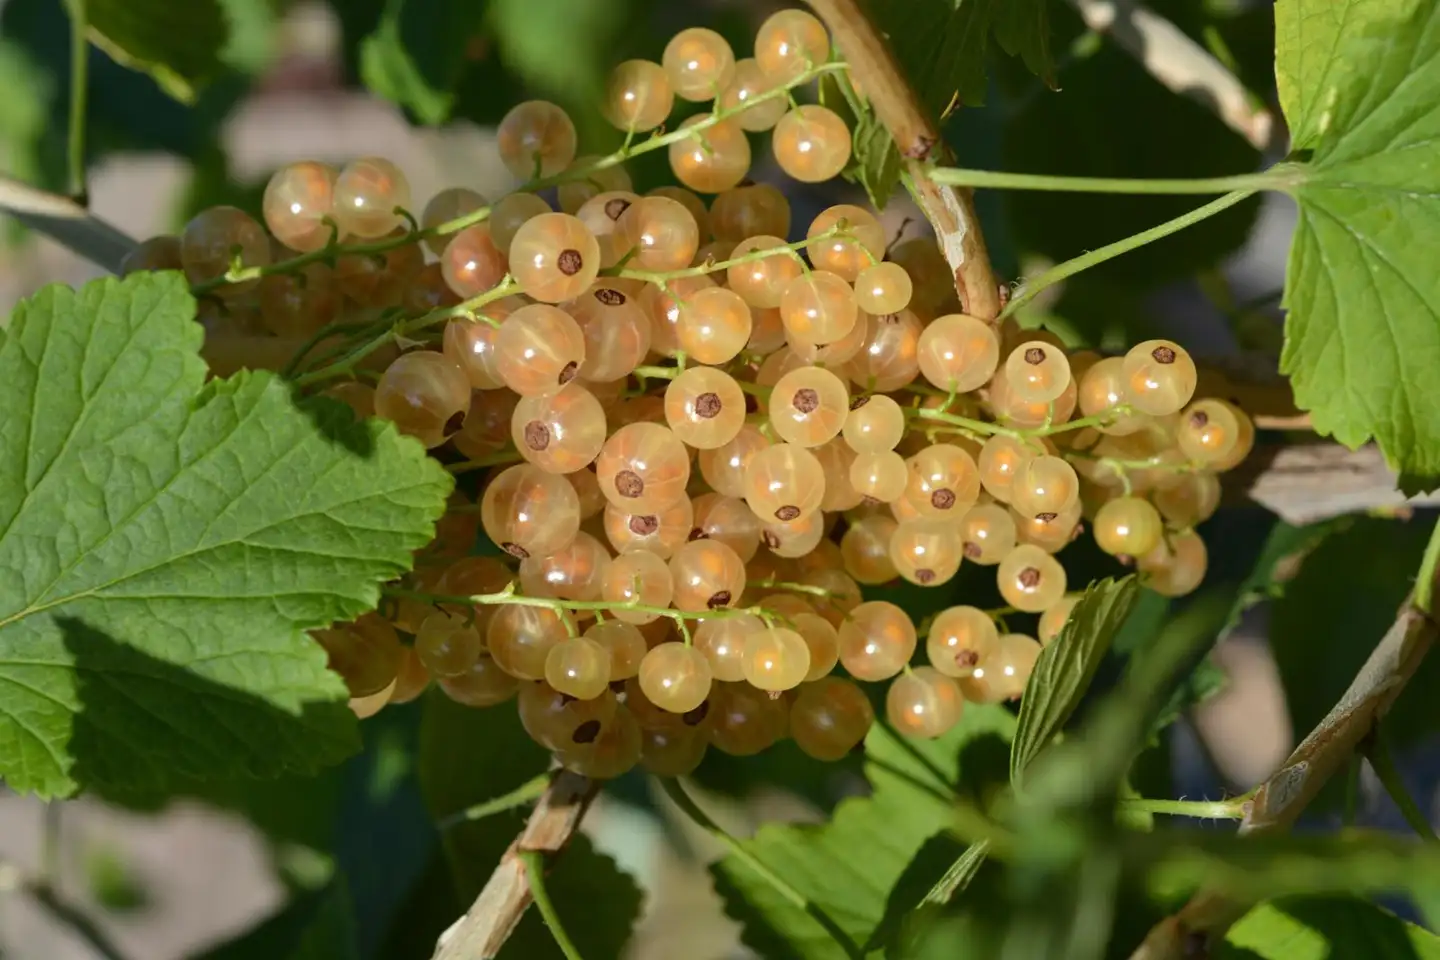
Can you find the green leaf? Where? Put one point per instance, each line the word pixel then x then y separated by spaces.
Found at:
pixel 1317 928
pixel 179 44
pixel 558 46
pixel 166 542
pixel 417 54
pixel 468 756
pixel 876 159
pixel 1363 333
pixel 960 869
pixel 849 865
pixel 942 44
pixel 1067 665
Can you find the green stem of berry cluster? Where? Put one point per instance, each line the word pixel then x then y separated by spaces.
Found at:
pixel 1017 433
pixel 511 597
pixel 79 87
pixel 346 364
pixel 1281 177
pixel 527 793
pixel 661 278
pixel 499 458
pixel 657 141
pixel 1232 809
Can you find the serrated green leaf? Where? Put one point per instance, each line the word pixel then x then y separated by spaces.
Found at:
pixel 916 924
pixel 876 160
pixel 1319 928
pixel 1067 665
pixel 417 54
pixel 1363 335
pixel 179 44
pixel 849 865
pixel 468 756
pixel 166 542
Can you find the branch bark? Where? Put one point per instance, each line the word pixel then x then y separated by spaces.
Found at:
pixel 1277 804
pixel 1180 64
pixel 950 210
pixel 67 222
pixel 1307 483
pixel 491 920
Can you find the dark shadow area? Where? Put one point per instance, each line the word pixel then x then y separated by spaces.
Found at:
pixel 143 721
pixel 337 424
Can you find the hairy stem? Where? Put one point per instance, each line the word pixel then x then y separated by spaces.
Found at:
pixel 1069 268
pixel 534 862
pixel 79 87
pixel 1275 178
pixel 1233 809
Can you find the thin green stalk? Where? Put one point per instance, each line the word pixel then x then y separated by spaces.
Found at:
pixel 1429 567
pixel 329 330
pixel 347 363
pixel 663 277
pixel 510 597
pixel 1378 753
pixel 79 87
pixel 534 862
pixel 676 792
pixel 1276 178
pixel 1200 809
pixel 527 792
pixel 1108 252
pixel 626 152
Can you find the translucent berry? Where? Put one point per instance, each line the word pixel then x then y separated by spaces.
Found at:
pixel 729 521
pixel 578 667
pixel 874 424
pixel 889 358
pixel 1044 485
pixel 639 577
pixel 722 641
pixel 624 646
pixel 790 42
pixel 643 467
pixel 707 575
pixel 925 552
pixel 220 238
pixel 426 394
pixel 714 325
pixel 811 143
pixel 958 353
pixel 987 534
pixel 745 720
pixel 487 426
pixel 818 307
pixel 639 96
pixel 808 406
pixel 1001 459
pixel 1030 579
pixel 859 245
pixel 762 282
pixel 586 178
pixel 539 349
pixel 449 204
pixel 866 550
pixel 882 476
pixel 1101 391
pixel 923 703
pixel 366 654
pixel 1037 372
pixel 1004 671
pixel 741 93
pixel 725 467
pixel 483 685
pixel 699 64
pixel 1177 564
pixel 554 258
pixel 661 532
pixel 574 572
pixel 448 644
pixel 520 638
pixel 471 263
pixel 555 719
pixel 510 213
pixel 1128 526
pixel 675 677
pixel 753 210
pixel 712 159
pixel 528 512
pixel 298 198
pixel 960 639
pixel 1209 430
pixel 1191 500
pixel 877 639
pixel 830 718
pixel 660 231
pixel 705 407
pixel 784 482
pixel 536 139
pixel 1159 377
pixel 776 658
pixel 559 432
pixel 156 253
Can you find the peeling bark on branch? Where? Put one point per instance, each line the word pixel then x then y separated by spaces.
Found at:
pixel 493 917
